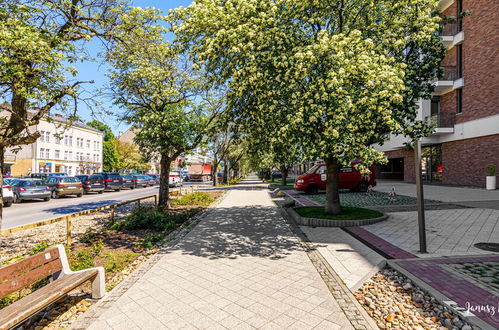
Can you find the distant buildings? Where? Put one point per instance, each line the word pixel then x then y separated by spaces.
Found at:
pixel 197 156
pixel 63 146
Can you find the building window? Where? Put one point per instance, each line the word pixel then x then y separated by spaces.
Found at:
pixel 459 94
pixel 42 136
pixel 435 105
pixel 47 136
pixel 57 140
pixel 66 155
pixel 70 154
pixel 57 154
pixel 47 153
pixel 42 152
pixel 88 144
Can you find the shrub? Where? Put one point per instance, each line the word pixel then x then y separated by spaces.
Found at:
pixel 491 170
pixel 198 198
pixel 148 218
pixel 89 236
pixel 116 262
pixel 83 259
pixel 151 240
pixel 40 247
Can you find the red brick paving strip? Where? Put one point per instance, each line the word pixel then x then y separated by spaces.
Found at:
pixel 385 248
pixel 455 287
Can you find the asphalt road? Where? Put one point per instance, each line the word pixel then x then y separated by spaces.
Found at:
pixel 29 212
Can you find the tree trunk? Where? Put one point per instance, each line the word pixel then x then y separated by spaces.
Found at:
pixel 215 174
pixel 2 159
pixel 164 183
pixel 332 187
pixel 226 172
pixel 284 174
pixel 271 175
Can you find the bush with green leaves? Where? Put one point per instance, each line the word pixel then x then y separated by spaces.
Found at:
pixel 116 262
pixel 198 198
pixel 491 170
pixel 82 259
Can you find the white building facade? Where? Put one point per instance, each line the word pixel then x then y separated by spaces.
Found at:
pixel 62 147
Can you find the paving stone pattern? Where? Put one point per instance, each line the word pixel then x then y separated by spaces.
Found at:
pixel 240 268
pixel 484 273
pixel 375 198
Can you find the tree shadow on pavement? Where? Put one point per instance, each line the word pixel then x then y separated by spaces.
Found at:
pixel 234 232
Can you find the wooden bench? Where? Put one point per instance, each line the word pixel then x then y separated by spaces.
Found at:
pixel 52 264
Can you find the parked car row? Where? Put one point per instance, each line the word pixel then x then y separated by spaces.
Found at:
pixel 46 186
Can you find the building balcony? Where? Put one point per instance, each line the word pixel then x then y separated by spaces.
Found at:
pixel 443 123
pixel 449 81
pixel 451 36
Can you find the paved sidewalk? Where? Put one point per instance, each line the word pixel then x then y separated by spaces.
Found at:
pixel 239 268
pixel 467 196
pixel 353 261
pixel 448 232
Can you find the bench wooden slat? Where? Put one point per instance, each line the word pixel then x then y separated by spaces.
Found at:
pixel 21 267
pixel 30 277
pixel 23 309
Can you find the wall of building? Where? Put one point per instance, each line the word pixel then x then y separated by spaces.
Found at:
pixel 464 161
pixel 480 60
pixel 409 169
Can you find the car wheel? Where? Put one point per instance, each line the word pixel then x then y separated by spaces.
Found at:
pixel 117 189
pixel 79 195
pixel 101 192
pixel 7 204
pixel 54 195
pixel 17 200
pixel 46 199
pixel 363 186
pixel 312 189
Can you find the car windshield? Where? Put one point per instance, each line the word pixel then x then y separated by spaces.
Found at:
pixel 31 183
pixel 313 169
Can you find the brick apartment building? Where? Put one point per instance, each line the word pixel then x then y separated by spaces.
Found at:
pixel 465 105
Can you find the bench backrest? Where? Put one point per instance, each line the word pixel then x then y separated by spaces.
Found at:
pixel 23 273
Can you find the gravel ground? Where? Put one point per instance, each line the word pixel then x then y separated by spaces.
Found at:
pixel 394 302
pixel 20 244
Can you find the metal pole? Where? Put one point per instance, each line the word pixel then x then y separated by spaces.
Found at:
pixel 420 197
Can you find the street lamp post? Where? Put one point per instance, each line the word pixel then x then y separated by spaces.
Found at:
pixel 420 197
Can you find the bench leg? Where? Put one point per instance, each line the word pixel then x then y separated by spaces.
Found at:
pixel 99 284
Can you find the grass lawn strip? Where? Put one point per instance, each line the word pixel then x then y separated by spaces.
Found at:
pixel 348 213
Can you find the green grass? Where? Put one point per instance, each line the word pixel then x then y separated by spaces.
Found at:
pixel 277 184
pixel 348 213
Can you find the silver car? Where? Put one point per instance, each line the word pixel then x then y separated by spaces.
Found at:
pixel 140 180
pixel 29 189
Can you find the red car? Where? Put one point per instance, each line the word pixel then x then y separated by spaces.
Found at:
pixel 315 179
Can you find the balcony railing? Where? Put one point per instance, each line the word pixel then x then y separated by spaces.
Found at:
pixel 450 29
pixel 441 120
pixel 449 73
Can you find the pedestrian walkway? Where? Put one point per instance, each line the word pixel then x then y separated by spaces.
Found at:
pixel 240 268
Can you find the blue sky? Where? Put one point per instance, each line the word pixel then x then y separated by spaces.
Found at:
pixel 97 71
